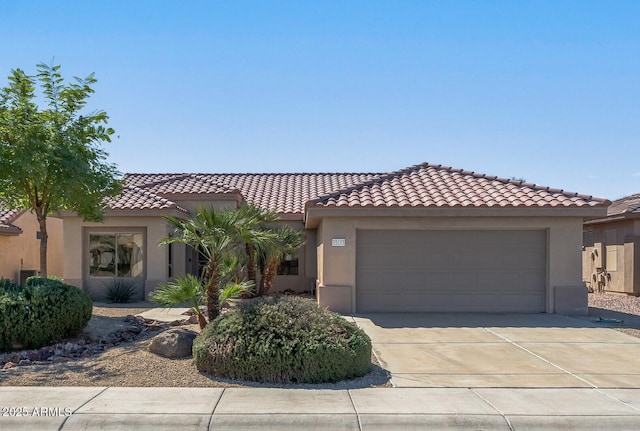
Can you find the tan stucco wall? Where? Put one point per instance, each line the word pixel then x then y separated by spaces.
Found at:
pixel 22 252
pixel 337 265
pixel 303 281
pixel 156 256
pixel 622 277
pixel 75 246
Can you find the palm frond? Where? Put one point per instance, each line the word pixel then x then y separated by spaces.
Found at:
pixel 236 290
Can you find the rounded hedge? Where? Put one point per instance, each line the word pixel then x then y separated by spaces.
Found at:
pixel 282 340
pixel 42 312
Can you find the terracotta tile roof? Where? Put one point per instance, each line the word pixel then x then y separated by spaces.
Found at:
pixel 288 193
pixel 429 185
pixel 422 185
pixel 135 198
pixel 284 193
pixel 7 216
pixel 625 206
pixel 163 184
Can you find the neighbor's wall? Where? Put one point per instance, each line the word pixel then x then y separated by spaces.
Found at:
pixel 22 252
pixel 337 265
pixel 76 262
pixel 611 256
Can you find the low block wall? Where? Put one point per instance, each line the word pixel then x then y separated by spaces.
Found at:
pixel 571 300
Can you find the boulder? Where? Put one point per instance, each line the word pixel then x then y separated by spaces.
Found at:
pixel 173 343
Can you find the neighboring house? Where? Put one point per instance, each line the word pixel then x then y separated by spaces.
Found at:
pixel 20 246
pixel 426 238
pixel 611 257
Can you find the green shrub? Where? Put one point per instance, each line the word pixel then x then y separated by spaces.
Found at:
pixel 8 286
pixel 120 291
pixel 38 278
pixel 44 311
pixel 282 340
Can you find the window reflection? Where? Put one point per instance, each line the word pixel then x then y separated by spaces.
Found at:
pixel 115 255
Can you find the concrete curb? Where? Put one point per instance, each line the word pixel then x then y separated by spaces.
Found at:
pixel 78 408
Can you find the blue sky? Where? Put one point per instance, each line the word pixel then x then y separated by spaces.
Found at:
pixel 548 91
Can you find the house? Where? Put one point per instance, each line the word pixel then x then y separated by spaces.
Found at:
pixel 611 256
pixel 426 238
pixel 20 246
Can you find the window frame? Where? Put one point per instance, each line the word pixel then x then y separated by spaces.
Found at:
pixel 115 233
pixel 281 268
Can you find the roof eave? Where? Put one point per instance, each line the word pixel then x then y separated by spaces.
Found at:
pixel 10 231
pixel 313 214
pixel 177 212
pixel 613 218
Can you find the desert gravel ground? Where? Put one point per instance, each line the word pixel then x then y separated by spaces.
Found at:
pixel 621 307
pixel 131 364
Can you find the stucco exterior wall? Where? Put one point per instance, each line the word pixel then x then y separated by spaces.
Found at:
pixel 611 256
pixel 156 257
pixel 22 252
pixel 76 265
pixel 303 282
pixel 337 264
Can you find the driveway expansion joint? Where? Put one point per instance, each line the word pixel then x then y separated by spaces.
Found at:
pixel 506 419
pixel 355 409
pixel 564 370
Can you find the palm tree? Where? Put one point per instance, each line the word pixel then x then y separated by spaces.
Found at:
pixel 286 240
pixel 211 233
pixel 251 232
pixel 185 289
pixel 189 289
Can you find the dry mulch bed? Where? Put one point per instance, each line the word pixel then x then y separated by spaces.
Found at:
pixel 130 364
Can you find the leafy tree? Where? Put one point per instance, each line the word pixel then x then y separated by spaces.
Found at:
pixel 51 159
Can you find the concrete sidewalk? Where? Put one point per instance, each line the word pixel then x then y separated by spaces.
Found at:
pixel 81 408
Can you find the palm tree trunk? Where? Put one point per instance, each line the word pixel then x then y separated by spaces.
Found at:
pixel 202 322
pixel 250 250
pixel 213 291
pixel 268 275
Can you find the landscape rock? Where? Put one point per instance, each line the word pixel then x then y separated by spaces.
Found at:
pixel 173 343
pixel 95 340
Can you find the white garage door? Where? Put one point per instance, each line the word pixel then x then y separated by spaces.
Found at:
pixel 451 271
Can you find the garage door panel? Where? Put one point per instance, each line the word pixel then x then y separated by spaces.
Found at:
pixel 520 259
pixel 482 271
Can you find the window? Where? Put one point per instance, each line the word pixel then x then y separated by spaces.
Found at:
pixel 115 254
pixel 288 266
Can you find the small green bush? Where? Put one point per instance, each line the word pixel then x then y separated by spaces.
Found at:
pixel 7 285
pixel 44 311
pixel 282 340
pixel 120 291
pixel 41 279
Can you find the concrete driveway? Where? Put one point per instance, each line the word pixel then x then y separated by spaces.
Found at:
pixel 501 351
